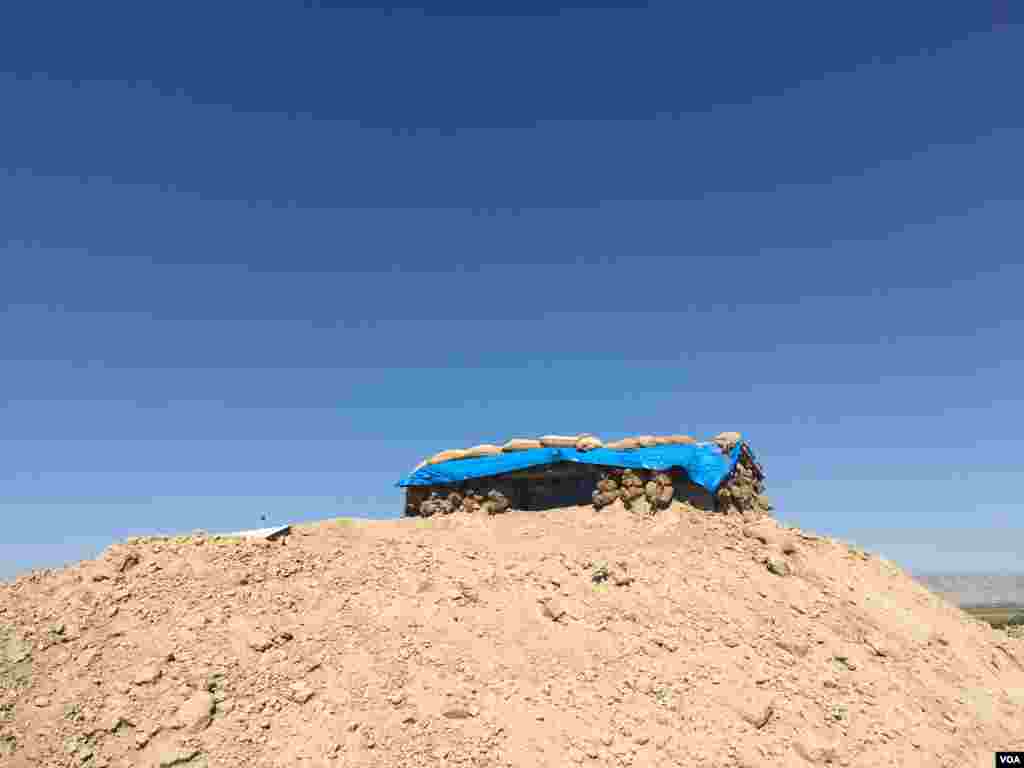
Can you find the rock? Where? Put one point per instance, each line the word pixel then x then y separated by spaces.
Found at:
pixel 175 755
pixel 651 490
pixel 764 532
pixel 497 502
pixel 112 723
pixel 147 675
pixel 127 562
pixel 41 701
pixel 260 642
pixel 301 693
pixel 196 713
pixel 795 647
pixel 817 749
pixel 520 445
pixel 876 644
pixel 620 575
pixel 551 608
pixel 455 501
pixel 457 713
pixel 758 714
pixel 777 565
pixel 845 661
pixel 631 492
pixel 640 505
pixel 665 497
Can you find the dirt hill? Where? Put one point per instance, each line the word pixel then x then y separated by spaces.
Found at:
pixel 527 639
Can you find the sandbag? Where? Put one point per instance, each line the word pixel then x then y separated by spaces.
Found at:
pixel 726 440
pixel 588 443
pixel 450 455
pixel 680 440
pixel 520 444
pixel 560 441
pixel 625 444
pixel 482 450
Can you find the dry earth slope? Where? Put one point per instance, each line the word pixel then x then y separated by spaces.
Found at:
pixel 529 639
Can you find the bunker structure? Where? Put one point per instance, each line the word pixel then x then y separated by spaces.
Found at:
pixel 644 474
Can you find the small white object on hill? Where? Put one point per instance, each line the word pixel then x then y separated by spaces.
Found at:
pixel 263 533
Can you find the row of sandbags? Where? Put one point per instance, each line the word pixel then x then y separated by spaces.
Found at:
pixel 726 440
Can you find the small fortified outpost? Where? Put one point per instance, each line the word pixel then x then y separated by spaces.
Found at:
pixel 644 474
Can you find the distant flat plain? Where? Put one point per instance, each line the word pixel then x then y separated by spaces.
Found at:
pixel 991 597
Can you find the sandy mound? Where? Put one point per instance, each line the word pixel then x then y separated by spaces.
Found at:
pixel 529 639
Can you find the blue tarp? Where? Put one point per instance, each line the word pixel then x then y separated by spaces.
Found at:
pixel 705 463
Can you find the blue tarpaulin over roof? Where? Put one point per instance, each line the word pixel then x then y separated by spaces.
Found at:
pixel 705 463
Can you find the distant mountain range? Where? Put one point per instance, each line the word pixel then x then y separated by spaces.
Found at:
pixel 973 589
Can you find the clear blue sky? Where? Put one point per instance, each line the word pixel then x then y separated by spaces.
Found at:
pixel 262 261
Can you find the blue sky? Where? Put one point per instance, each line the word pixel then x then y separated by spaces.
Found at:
pixel 260 262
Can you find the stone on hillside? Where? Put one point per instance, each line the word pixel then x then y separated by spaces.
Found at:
pixel 259 641
pixel 777 565
pixel 196 713
pixel 147 674
pixel 176 755
pixel 762 532
pixel 301 693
